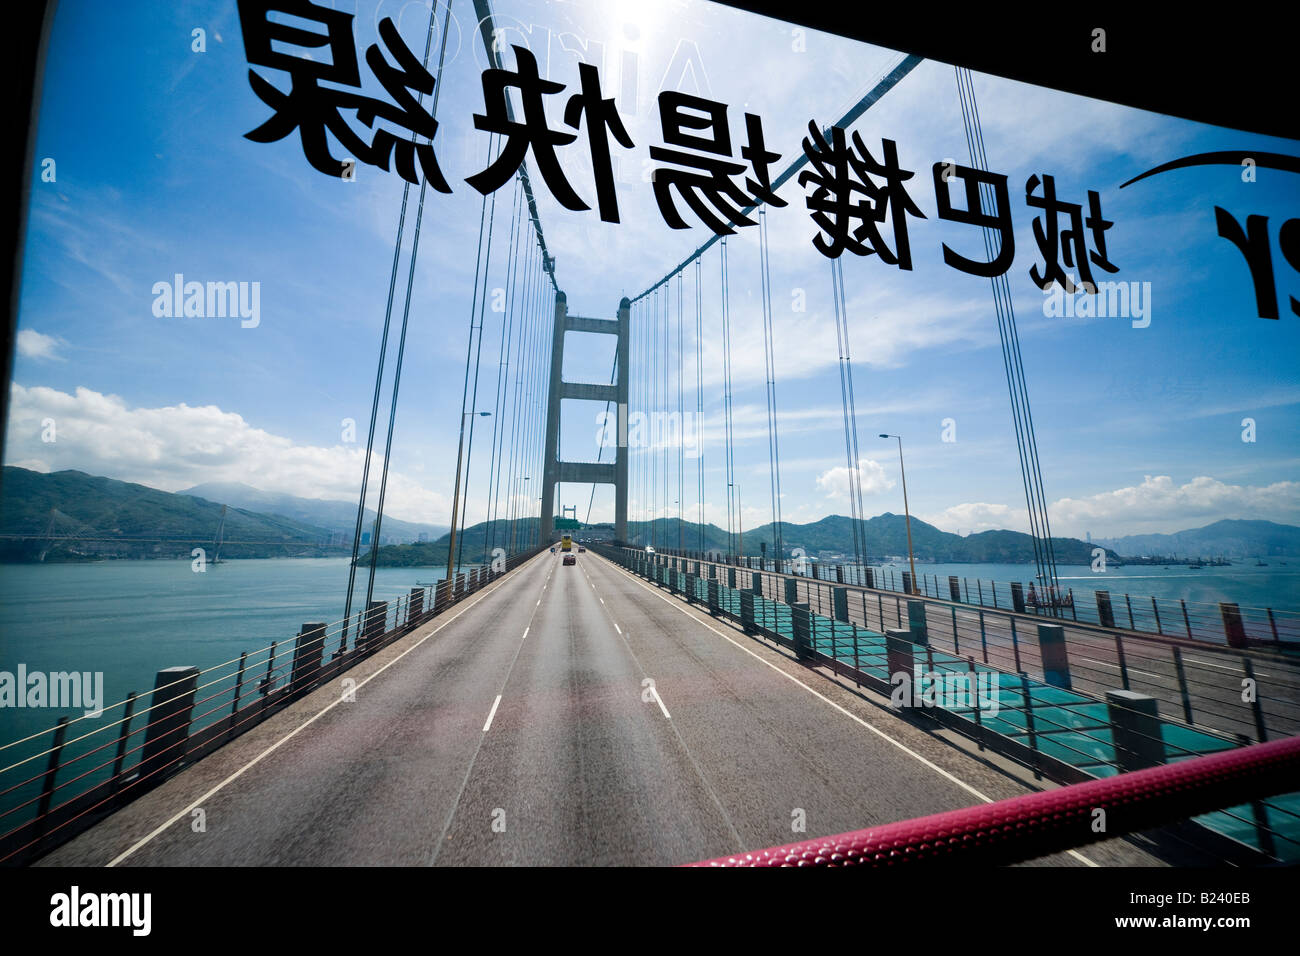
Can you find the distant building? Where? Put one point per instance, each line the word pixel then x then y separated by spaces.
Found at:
pixel 424 536
pixel 365 537
pixel 1088 535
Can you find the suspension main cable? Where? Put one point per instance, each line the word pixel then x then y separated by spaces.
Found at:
pixel 699 389
pixel 726 397
pixel 769 349
pixel 383 352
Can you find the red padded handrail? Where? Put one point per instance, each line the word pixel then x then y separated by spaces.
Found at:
pixel 1027 827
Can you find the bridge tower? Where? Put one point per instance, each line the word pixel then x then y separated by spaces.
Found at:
pixel 584 472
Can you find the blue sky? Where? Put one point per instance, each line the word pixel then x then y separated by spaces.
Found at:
pixel 1139 429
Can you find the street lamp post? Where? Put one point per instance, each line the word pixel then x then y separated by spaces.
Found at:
pixel 911 560
pixel 455 495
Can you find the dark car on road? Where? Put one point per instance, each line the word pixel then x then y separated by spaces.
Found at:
pixel 570 558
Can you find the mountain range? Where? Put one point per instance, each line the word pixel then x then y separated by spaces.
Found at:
pixel 1230 538
pixel 73 516
pixel 337 517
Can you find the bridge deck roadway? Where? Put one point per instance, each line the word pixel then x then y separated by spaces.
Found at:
pixel 576 763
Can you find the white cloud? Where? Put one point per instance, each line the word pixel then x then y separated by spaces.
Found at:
pixel 178 446
pixel 33 344
pixel 1160 505
pixel 836 481
pixel 976 516
pixel 1157 505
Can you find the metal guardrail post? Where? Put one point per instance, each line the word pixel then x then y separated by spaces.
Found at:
pixel 1187 621
pixel 1123 664
pixel 731 578
pixel 1182 684
pixel 954 588
pixel 972 675
pixel 376 620
pixel 1234 629
pixel 267 683
pixel 1056 660
pixel 307 654
pixel 1256 708
pixel 169 719
pixel 713 596
pixel 840 602
pixel 1018 597
pixel 907 582
pixel 690 587
pixel 900 659
pixel 415 606
pixel 1029 722
pixel 52 767
pixel 747 611
pixel 801 624
pixel 871 578
pixel 239 687
pixel 1135 724
pixel 758 583
pixel 119 761
pixel 1263 831
pixel 916 622
pixel 791 591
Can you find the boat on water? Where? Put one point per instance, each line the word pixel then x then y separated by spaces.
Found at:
pixel 1049 599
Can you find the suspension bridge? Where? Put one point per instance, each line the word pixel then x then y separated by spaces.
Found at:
pixel 662 701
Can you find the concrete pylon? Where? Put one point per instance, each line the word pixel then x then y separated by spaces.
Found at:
pixel 582 472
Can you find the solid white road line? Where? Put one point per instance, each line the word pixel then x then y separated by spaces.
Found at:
pixel 847 713
pixel 492 713
pixel 1115 667
pixel 660 701
pixel 287 737
pixel 526 630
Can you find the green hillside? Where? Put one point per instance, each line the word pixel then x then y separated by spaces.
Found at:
pixel 72 516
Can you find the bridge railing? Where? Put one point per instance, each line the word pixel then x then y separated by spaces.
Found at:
pixel 1231 623
pixel 1215 622
pixel 1062 722
pixel 59 781
pixel 1234 624
pixel 1253 691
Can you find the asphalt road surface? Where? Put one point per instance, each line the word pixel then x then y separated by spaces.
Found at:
pixel 563 715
